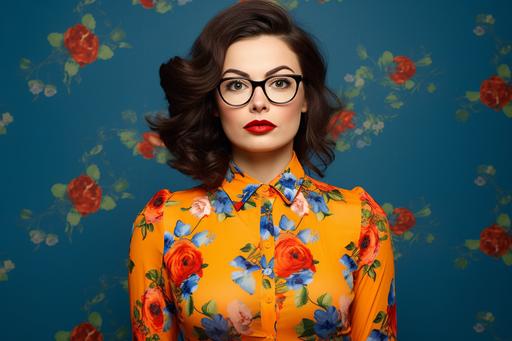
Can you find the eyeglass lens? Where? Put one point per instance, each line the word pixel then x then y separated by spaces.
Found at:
pixel 279 89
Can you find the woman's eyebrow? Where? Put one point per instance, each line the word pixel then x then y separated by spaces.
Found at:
pixel 241 73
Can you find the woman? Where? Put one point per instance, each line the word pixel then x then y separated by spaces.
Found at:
pixel 259 250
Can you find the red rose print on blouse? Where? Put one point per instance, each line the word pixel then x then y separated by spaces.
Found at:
pixel 155 208
pixel 495 93
pixel 153 304
pixel 85 332
pixel 183 260
pixel 368 244
pixel 495 241
pixel 82 44
pixel 291 256
pixel 404 220
pixel 85 194
pixel 404 69
pixel 340 122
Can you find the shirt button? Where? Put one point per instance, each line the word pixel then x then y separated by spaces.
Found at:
pixel 267 245
pixel 269 299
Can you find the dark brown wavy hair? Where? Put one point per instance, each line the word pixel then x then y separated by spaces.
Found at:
pixel 194 136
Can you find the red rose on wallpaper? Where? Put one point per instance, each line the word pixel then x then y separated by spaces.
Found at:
pixel 495 241
pixel 153 138
pixel 404 69
pixel 495 93
pixel 404 220
pixel 145 149
pixel 85 332
pixel 340 122
pixel 183 260
pixel 85 194
pixel 82 44
pixel 368 244
pixel 154 210
pixel 291 256
pixel 147 3
pixel 153 304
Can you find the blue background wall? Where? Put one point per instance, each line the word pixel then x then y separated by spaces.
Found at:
pixel 429 146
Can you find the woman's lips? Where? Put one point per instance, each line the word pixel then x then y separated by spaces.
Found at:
pixel 259 127
pixel 262 129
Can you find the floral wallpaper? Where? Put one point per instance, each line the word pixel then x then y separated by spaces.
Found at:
pixel 427 131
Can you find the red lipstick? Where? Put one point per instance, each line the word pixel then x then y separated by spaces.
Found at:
pixel 259 127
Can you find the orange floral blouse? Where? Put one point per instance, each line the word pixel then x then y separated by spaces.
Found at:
pixel 294 259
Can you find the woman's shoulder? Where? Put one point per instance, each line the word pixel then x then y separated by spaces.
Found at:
pixel 337 193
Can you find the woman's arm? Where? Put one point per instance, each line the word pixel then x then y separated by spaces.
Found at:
pixel 373 310
pixel 152 312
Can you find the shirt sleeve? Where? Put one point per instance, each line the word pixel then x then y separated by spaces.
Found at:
pixel 373 311
pixel 152 310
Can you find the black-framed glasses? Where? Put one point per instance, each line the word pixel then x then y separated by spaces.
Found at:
pixel 279 89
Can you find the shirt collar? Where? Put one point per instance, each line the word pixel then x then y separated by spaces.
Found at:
pixel 240 186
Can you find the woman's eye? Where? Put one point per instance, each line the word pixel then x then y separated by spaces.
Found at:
pixel 235 85
pixel 281 83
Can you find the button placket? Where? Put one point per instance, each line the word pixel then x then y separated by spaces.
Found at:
pixel 268 300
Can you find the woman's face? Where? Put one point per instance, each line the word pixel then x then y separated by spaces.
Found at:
pixel 255 57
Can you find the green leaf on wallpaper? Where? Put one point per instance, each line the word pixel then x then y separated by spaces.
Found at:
pixel 128 138
pixel 408 235
pixel 461 263
pixel 472 244
pixel 391 97
pixel 55 39
pixel 503 71
pixel 396 105
pixel 387 207
pixel 124 45
pixel 73 217
pixel 462 115
pixel 95 319
pixel 96 149
pixel 163 6
pixel 105 52
pixel 117 35
pixel 129 116
pixel 364 72
pixel 62 335
pixel 409 84
pixel 3 276
pixel 121 185
pixel 58 190
pixel 161 156
pixel 25 214
pixel 473 96
pixel 108 203
pixel 507 258
pixel 503 220
pixel 71 67
pixel 352 92
pixel 25 63
pixel 507 109
pixel 431 87
pixel 424 212
pixel 430 238
pixel 425 61
pixel 361 52
pixel 385 59
pixel 93 171
pixel 342 146
pixel 89 21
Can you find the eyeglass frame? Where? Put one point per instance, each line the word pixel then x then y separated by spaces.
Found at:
pixel 254 84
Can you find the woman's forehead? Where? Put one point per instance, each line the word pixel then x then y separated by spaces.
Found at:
pixel 256 56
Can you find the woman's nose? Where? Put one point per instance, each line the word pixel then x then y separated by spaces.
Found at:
pixel 259 101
